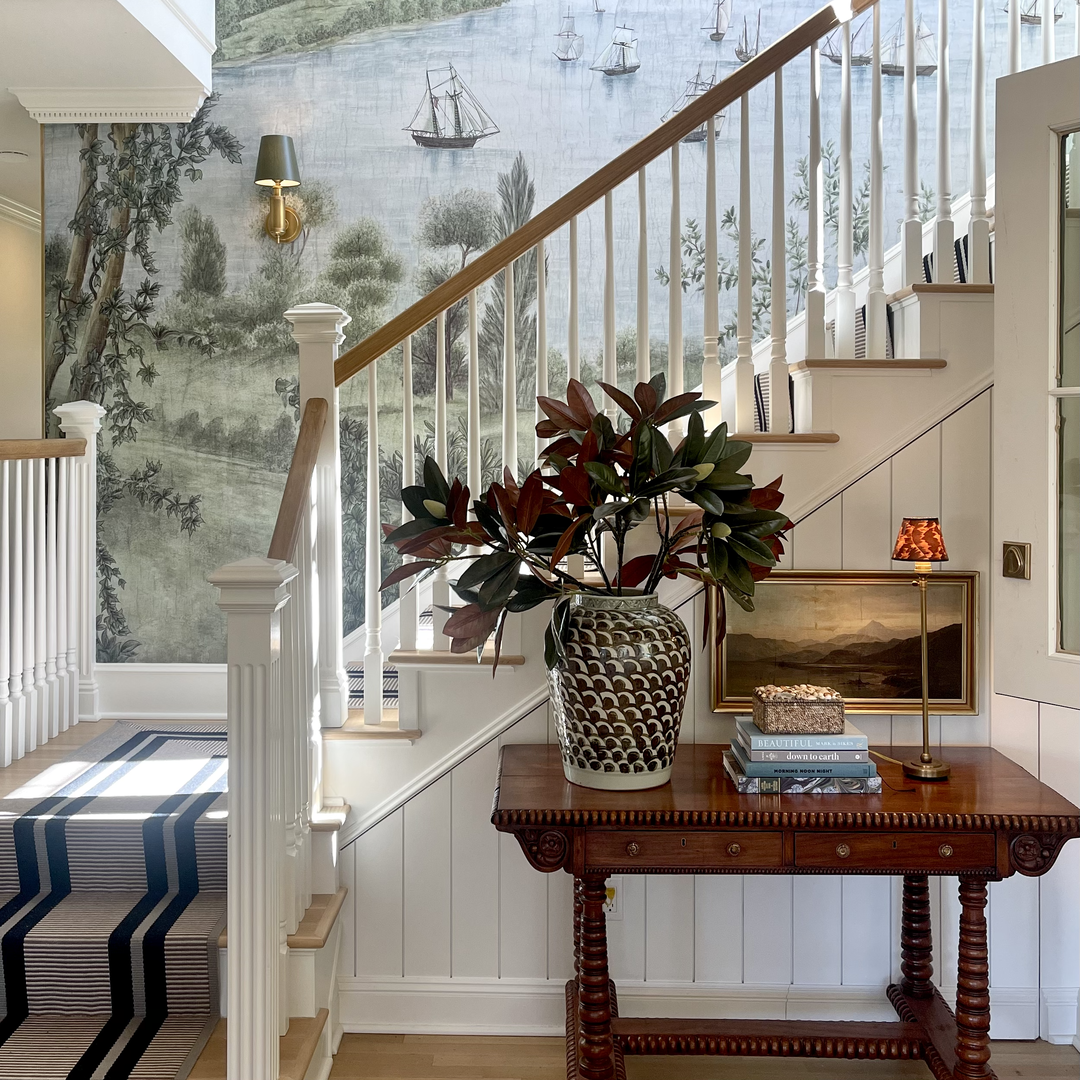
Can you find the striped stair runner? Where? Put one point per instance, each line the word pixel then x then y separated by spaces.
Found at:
pixel 112 897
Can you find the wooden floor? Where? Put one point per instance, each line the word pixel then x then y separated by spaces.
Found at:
pixel 427 1057
pixel 37 761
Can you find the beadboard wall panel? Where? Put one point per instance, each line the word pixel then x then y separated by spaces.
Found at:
pixel 441 899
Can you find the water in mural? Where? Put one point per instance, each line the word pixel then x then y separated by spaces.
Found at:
pixel 426 129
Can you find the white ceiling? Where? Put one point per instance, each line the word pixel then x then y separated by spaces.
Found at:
pixel 65 61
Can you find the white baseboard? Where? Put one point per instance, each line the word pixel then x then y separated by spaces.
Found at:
pixel 162 691
pixel 1058 1017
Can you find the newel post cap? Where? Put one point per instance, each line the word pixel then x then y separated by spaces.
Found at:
pixel 253 586
pixel 318 322
pixel 80 419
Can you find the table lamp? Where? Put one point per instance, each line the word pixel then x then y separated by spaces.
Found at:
pixel 920 541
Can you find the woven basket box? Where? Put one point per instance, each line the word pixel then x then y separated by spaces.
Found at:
pixel 797 713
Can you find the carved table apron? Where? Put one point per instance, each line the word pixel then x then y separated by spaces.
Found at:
pixel 990 820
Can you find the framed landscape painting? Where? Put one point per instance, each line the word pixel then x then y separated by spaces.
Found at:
pixel 856 631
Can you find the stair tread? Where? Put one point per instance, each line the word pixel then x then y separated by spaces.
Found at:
pixel 296 1049
pixel 833 364
pixel 315 926
pixel 355 728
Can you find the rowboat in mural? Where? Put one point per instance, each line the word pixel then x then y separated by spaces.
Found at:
pixel 743 49
pixel 1031 12
pixel 892 55
pixel 449 117
pixel 720 21
pixel 569 43
pixel 696 85
pixel 861 46
pixel 621 56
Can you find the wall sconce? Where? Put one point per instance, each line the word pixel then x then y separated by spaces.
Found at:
pixel 277 168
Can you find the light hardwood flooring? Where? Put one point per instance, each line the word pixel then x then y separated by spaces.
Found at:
pixel 444 1057
pixel 37 761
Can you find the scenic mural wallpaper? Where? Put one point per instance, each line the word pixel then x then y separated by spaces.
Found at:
pixel 164 299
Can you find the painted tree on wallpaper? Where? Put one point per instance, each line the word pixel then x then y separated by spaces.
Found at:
pixel 101 328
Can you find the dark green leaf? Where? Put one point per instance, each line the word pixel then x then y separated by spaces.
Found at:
pixel 707 500
pixel 497 589
pixel 752 549
pixel 486 567
pixel 434 481
pixel 606 477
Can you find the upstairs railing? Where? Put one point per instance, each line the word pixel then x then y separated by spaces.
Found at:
pixel 48 578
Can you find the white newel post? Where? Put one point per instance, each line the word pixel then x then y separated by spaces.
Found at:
pixel 82 420
pixel 252 593
pixel 317 329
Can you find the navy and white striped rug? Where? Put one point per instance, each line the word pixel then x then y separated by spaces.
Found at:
pixel 112 897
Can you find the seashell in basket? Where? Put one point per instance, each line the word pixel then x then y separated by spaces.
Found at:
pixel 798 710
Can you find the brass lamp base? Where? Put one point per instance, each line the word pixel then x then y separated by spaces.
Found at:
pixel 927 770
pixel 291 227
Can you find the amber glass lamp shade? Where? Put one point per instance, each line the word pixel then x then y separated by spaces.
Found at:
pixel 920 540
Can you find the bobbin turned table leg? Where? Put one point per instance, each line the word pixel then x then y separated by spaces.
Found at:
pixel 973 984
pixel 916 938
pixel 595 1050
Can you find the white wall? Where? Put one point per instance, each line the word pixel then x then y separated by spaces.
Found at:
pixel 20 326
pixel 449 929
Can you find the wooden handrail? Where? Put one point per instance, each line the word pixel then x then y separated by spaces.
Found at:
pixel 298 485
pixel 24 449
pixel 564 209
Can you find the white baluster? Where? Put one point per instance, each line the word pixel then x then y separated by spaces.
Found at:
pixel 609 371
pixel 1047 31
pixel 1076 30
pixel 64 684
pixel 644 365
pixel 815 223
pixel 911 239
pixel 1014 36
pixel 373 657
pixel 876 315
pixel 509 400
pixel 82 420
pixel 440 586
pixel 318 330
pixel 70 523
pixel 744 363
pixel 52 685
pixel 573 354
pixel 6 708
pixel 29 598
pixel 408 593
pixel 675 327
pixel 779 393
pixel 252 593
pixel 944 237
pixel 710 369
pixel 15 677
pixel 308 624
pixel 541 343
pixel 291 719
pixel 41 614
pixel 978 222
pixel 845 292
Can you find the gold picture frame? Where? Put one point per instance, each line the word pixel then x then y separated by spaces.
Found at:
pixel 855 630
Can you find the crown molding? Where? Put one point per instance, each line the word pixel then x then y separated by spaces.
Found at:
pixel 18 214
pixel 123 104
pixel 191 26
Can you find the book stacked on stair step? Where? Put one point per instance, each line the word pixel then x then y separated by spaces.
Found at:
pixel 761 764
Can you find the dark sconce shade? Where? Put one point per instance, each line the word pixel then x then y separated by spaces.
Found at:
pixel 277 162
pixel 920 540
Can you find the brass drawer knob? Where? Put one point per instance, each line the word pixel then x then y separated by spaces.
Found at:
pixel 945 851
pixel 632 848
pixel 734 849
pixel 843 851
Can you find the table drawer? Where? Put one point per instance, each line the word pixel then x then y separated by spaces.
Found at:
pixel 942 851
pixel 692 850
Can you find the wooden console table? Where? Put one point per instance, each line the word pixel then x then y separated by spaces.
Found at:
pixel 990 820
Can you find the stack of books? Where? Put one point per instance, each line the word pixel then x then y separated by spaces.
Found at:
pixel 761 764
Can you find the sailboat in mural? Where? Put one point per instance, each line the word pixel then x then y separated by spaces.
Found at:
pixel 449 117
pixel 696 85
pixel 743 49
pixel 1031 12
pixel 892 54
pixel 621 56
pixel 570 44
pixel 720 21
pixel 597 9
pixel 861 45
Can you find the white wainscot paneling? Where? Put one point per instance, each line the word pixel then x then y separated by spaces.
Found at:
pixel 426 900
pixel 377 878
pixel 718 929
pixel 767 937
pixel 669 928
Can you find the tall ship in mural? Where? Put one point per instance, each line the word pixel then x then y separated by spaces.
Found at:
pixel 1031 12
pixel 719 21
pixel 861 45
pixel 892 52
pixel 449 117
pixel 621 56
pixel 569 43
pixel 696 85
pixel 743 49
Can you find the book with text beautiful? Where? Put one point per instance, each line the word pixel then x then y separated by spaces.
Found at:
pixel 808 757
pixel 851 739
pixel 771 768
